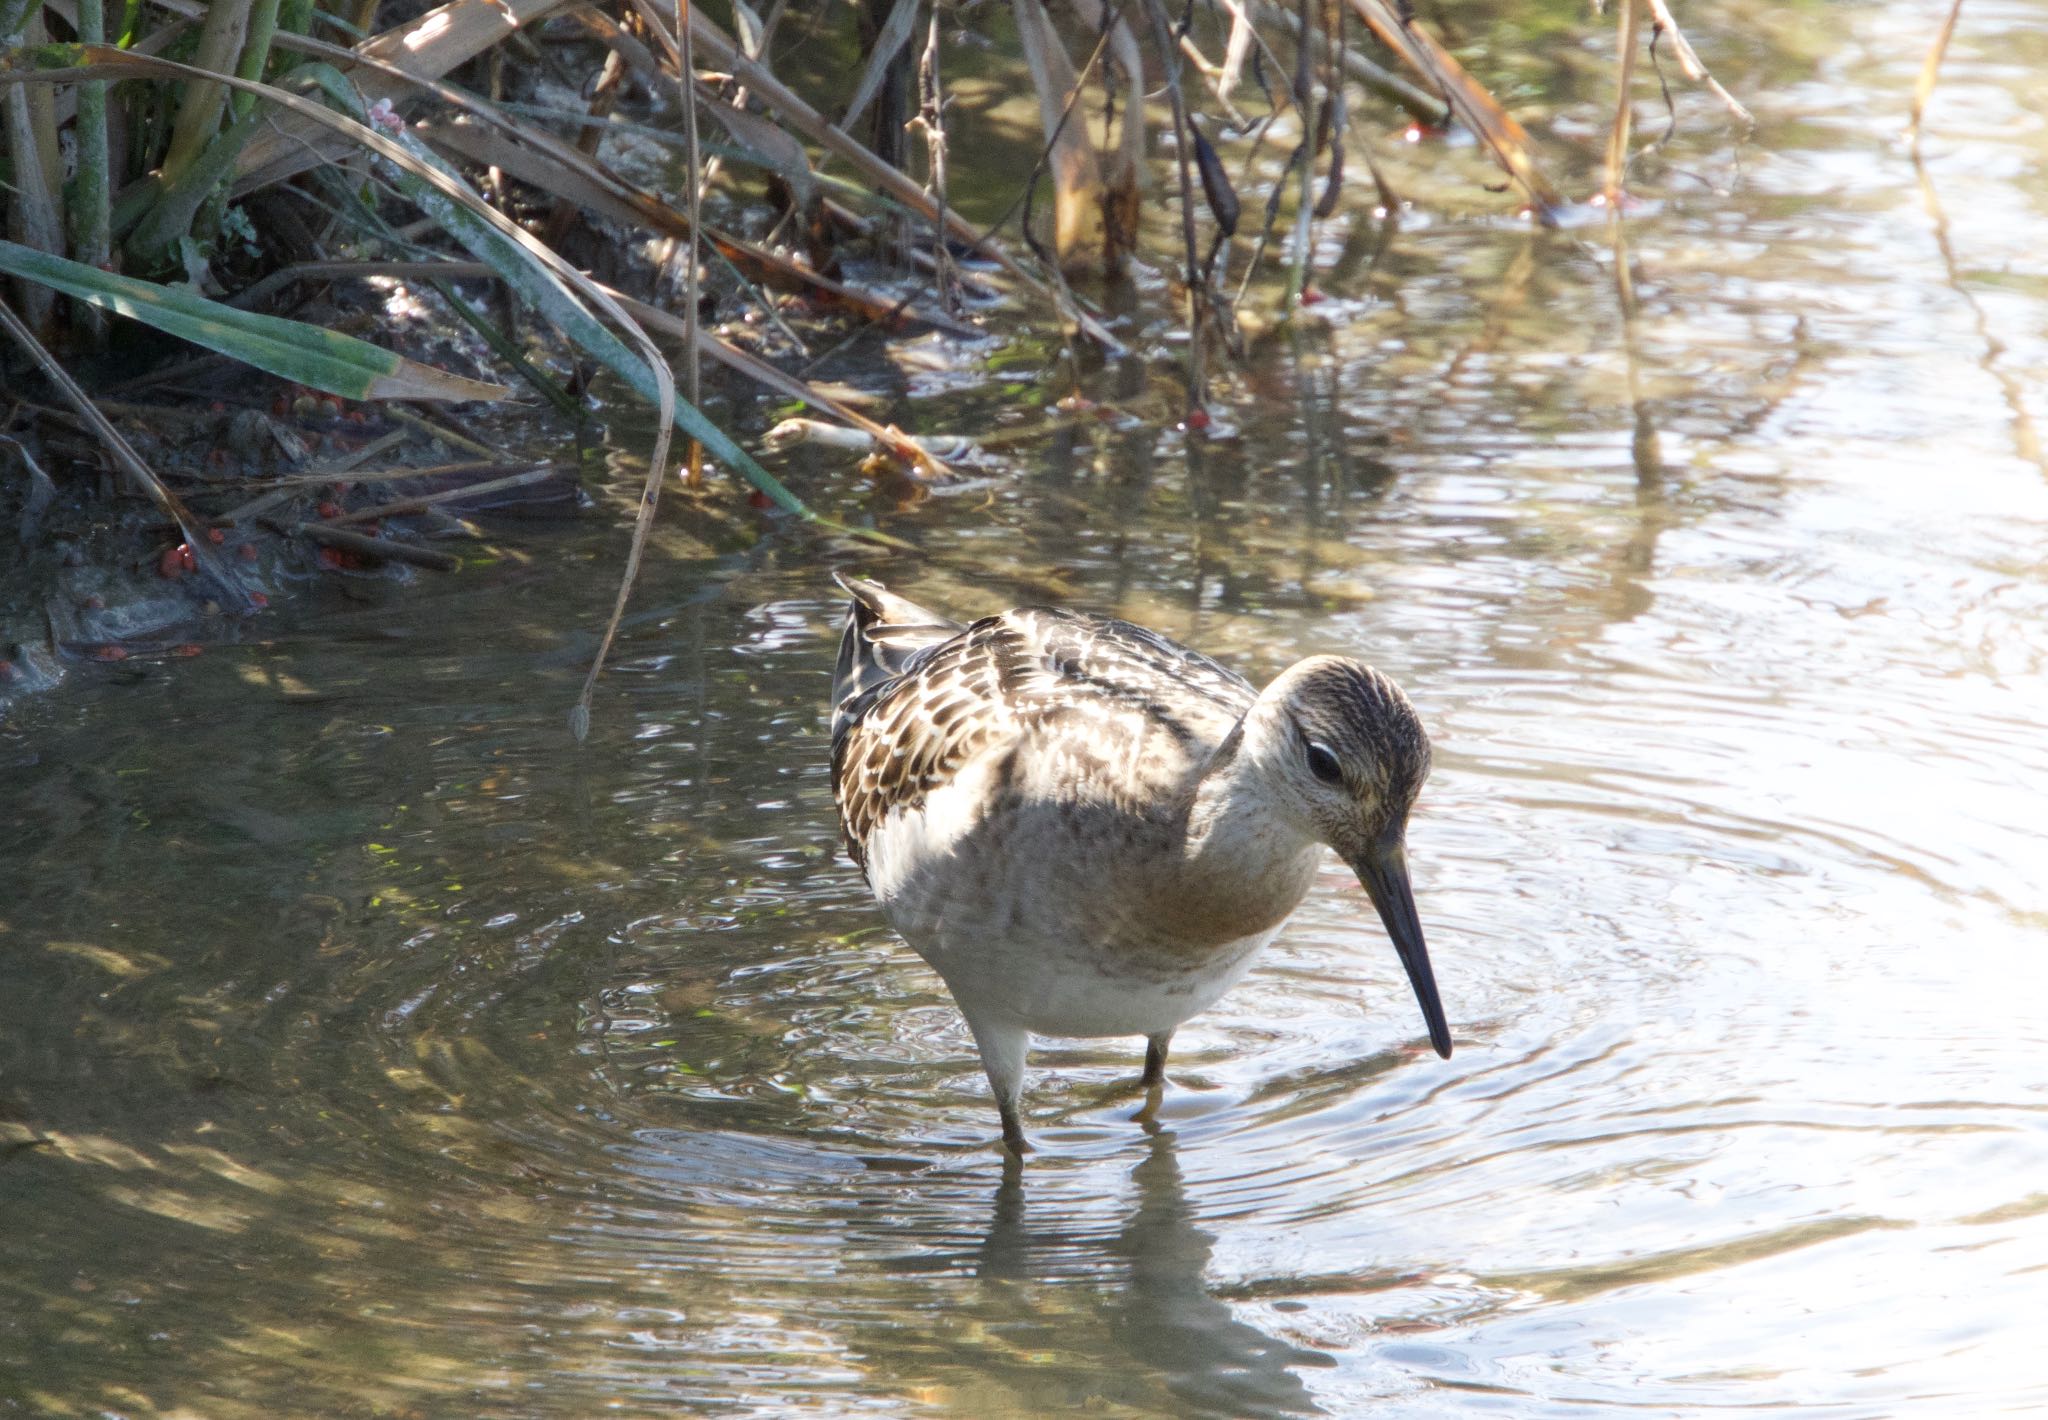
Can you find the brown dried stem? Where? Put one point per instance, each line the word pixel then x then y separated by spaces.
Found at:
pixel 1930 69
pixel 1660 14
pixel 931 118
pixel 1198 291
pixel 1617 136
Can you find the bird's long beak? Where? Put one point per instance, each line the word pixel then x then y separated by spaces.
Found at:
pixel 1383 870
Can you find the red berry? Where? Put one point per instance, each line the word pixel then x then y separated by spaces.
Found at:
pixel 188 649
pixel 330 559
pixel 110 653
pixel 758 499
pixel 258 600
pixel 1310 296
pixel 330 509
pixel 247 552
pixel 172 563
pixel 187 558
pixel 95 602
pixel 1198 418
pixel 216 536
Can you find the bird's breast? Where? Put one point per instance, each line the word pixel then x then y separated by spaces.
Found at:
pixel 1048 876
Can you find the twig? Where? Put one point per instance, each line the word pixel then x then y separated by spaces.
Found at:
pixel 382 548
pixel 450 437
pixel 256 507
pixel 1213 75
pixel 931 117
pixel 392 440
pixel 1393 21
pixel 693 203
pixel 446 495
pixel 603 101
pixel 1337 109
pixel 1660 13
pixel 1617 136
pixel 1198 294
pixel 357 477
pixel 1424 108
pixel 1664 91
pixel 1924 90
pixel 1305 151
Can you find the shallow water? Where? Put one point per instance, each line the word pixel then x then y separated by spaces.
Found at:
pixel 368 1049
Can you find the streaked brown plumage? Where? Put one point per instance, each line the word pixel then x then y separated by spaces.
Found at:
pixel 1088 829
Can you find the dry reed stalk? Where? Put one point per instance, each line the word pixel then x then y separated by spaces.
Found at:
pixel 1617 135
pixel 1930 69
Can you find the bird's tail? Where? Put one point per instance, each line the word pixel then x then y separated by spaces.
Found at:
pixel 883 633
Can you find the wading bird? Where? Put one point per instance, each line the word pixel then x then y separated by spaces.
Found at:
pixel 1090 830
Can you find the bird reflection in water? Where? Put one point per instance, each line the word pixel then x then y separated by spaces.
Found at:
pixel 1144 1320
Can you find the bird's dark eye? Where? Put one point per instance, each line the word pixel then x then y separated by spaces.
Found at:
pixel 1323 764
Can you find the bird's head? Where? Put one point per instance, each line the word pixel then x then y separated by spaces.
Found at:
pixel 1343 755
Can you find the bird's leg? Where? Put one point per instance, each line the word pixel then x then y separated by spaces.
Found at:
pixel 1002 1049
pixel 1155 1059
pixel 1154 1078
pixel 1013 1131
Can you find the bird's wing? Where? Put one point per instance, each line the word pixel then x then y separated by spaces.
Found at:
pixel 1097 707
pixel 883 631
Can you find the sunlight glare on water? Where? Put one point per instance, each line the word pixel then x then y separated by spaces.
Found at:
pixel 372 1050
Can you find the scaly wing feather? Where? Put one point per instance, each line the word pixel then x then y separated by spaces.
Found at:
pixel 917 714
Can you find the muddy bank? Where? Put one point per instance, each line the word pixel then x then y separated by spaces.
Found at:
pixel 290 487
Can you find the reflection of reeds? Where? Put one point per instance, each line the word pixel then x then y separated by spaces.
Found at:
pixel 2026 440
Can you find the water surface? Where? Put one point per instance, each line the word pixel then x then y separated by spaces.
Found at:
pixel 367 1049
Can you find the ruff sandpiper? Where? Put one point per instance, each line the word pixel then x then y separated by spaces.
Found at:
pixel 1090 830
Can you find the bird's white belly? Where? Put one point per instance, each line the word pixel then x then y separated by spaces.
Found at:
pixel 1079 992
pixel 1035 928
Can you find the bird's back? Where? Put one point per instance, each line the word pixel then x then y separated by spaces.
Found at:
pixel 1050 709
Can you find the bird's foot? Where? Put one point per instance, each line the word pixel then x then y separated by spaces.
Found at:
pixel 1013 1137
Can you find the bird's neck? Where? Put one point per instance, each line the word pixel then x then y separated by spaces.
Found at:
pixel 1241 863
